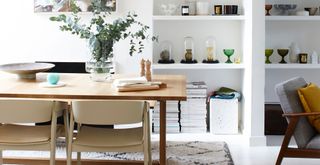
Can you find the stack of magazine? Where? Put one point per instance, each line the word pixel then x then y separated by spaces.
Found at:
pixel 172 115
pixel 194 111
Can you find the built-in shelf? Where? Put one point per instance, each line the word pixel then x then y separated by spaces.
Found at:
pixel 292 18
pixel 198 66
pixel 292 66
pixel 200 18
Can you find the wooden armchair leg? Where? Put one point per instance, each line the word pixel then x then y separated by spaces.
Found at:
pixel 287 137
pixel 279 159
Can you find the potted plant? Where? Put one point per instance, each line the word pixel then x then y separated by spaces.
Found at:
pixel 102 35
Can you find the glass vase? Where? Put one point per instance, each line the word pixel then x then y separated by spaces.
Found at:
pixel 100 71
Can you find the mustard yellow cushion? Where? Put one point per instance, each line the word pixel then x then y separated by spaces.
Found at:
pixel 310 99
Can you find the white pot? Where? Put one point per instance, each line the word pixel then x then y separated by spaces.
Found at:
pixel 202 8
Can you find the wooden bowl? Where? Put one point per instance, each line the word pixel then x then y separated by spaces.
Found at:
pixel 26 70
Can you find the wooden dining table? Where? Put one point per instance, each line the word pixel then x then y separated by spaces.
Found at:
pixel 80 86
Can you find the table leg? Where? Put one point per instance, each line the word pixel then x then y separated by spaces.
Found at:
pixel 162 149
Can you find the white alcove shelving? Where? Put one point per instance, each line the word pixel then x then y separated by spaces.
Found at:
pixel 229 32
pixel 281 31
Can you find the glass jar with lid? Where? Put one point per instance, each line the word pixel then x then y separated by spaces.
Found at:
pixel 188 49
pixel 211 50
pixel 166 52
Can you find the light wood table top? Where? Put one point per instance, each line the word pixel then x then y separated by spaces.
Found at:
pixel 79 86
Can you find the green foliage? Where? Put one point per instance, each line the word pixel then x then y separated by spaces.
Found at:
pixel 102 35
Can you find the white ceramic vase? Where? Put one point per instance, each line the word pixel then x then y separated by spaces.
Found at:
pixel 294 52
pixel 314 58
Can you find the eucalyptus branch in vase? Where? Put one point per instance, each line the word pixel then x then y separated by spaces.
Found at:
pixel 102 35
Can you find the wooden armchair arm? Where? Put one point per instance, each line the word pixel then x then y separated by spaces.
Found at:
pixel 300 114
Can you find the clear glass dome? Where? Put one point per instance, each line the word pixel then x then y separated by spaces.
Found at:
pixel 165 51
pixel 211 49
pixel 188 49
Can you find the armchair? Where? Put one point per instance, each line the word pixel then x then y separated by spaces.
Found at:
pixel 306 137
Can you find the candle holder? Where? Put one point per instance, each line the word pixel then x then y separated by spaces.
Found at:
pixel 283 53
pixel 268 53
pixel 268 7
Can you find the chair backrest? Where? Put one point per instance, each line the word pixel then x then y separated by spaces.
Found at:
pixel 108 112
pixel 290 103
pixel 25 111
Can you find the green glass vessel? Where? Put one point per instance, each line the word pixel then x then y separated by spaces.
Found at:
pixel 228 53
pixel 268 53
pixel 283 53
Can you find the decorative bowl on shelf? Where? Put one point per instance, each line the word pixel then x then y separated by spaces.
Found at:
pixel 168 9
pixel 26 70
pixel 284 8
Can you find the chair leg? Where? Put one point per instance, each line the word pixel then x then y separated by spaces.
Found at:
pixel 66 129
pixel 280 158
pixel 146 157
pixel 287 137
pixel 78 158
pixel 53 154
pixel 69 156
pixel 147 154
pixel 1 158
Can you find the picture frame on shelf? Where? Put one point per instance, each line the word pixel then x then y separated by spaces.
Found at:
pixel 47 6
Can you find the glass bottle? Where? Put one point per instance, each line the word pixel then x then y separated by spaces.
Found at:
pixel 166 51
pixel 211 49
pixel 188 49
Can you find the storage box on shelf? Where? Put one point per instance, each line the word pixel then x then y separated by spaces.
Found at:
pixel 224 116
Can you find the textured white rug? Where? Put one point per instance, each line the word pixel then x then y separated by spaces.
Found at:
pixel 178 153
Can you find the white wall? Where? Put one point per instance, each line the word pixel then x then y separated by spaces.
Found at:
pixel 26 36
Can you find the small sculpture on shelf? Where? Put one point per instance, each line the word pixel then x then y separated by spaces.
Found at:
pixel 188 51
pixel 166 52
pixel 211 51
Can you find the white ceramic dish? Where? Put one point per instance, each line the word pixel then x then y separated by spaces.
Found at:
pixel 26 70
pixel 48 85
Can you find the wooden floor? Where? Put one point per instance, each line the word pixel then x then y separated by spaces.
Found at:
pixel 40 161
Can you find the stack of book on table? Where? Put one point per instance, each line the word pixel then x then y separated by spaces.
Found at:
pixel 172 115
pixel 194 110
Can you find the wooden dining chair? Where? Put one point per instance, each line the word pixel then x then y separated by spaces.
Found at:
pixel 305 135
pixel 109 112
pixel 25 135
